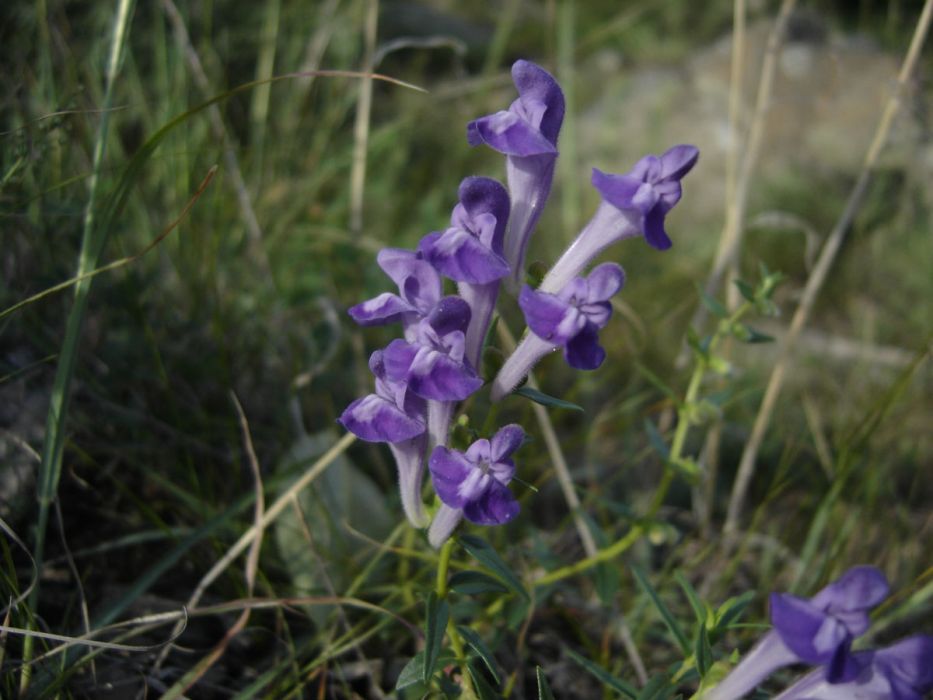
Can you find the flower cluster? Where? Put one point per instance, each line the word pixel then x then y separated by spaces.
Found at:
pixel 421 377
pixel 819 632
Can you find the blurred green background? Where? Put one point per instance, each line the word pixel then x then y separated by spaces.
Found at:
pixel 249 293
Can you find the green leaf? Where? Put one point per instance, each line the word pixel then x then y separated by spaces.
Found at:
pixel 436 616
pixel 475 582
pixel 545 400
pixel 411 673
pixel 603 675
pixel 483 552
pixel 702 651
pixel 732 610
pixel 669 620
pixel 754 336
pixel 476 643
pixel 658 688
pixel 714 306
pixel 656 440
pixel 481 685
pixel 544 690
pixel 746 290
pixel 699 607
pixel 700 346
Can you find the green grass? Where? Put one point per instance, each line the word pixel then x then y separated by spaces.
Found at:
pixel 141 446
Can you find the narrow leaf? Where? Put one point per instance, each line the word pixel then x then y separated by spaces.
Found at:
pixel 754 336
pixel 656 440
pixel 699 607
pixel 702 651
pixel 476 643
pixel 732 610
pixel 746 290
pixel 669 620
pixel 475 582
pixel 714 306
pixel 411 673
pixel 603 675
pixel 658 688
pixel 438 611
pixel 544 690
pixel 545 400
pixel 483 552
pixel 481 685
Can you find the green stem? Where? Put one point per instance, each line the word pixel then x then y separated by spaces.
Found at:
pixel 677 446
pixel 456 641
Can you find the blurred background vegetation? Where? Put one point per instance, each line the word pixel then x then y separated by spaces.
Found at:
pixel 248 295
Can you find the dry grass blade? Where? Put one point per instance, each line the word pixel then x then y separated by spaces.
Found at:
pixel 361 127
pixel 731 239
pixel 268 516
pixel 818 277
pixel 252 564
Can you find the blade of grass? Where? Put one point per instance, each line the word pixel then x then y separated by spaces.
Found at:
pixel 92 243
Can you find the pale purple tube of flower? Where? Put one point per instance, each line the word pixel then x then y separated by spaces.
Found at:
pixel 818 631
pixel 527 134
pixel 470 252
pixel 571 319
pixel 396 416
pixel 474 484
pixel 901 671
pixel 634 204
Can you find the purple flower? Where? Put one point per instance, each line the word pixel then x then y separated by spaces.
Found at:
pixel 397 416
pixel 419 292
pixel 651 188
pixel 475 481
pixel 820 630
pixel 433 365
pixel 815 631
pixel 392 414
pixel 470 252
pixel 633 204
pixel 527 134
pixel 902 671
pixel 570 319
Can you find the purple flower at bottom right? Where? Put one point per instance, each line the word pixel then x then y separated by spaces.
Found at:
pixel 902 671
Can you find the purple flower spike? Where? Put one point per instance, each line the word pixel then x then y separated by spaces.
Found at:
pixel 902 671
pixel 634 204
pixel 419 291
pixel 570 319
pixel 434 366
pixel 392 414
pixel 815 631
pixel 527 135
pixel 476 481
